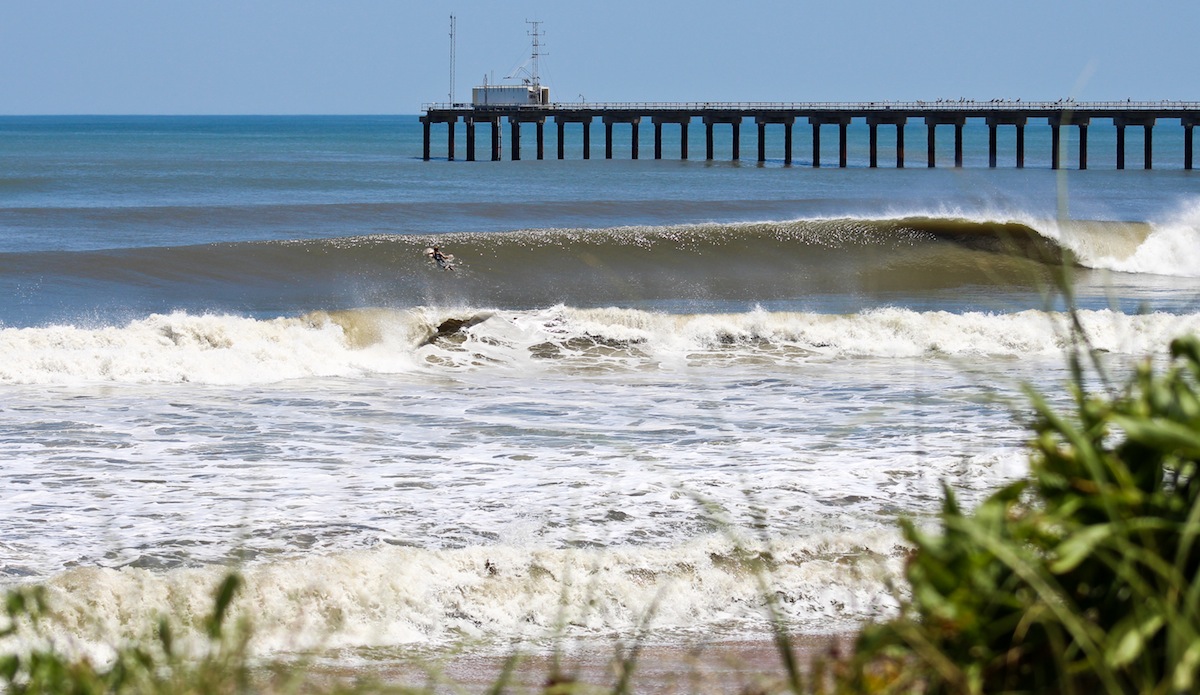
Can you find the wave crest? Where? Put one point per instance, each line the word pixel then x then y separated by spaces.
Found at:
pixel 215 349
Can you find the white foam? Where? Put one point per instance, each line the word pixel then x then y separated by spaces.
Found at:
pixel 1168 246
pixel 632 338
pixel 888 332
pixel 567 446
pixel 1173 248
pixel 180 347
pixel 230 350
pixel 498 595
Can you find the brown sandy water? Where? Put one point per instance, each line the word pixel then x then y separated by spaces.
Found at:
pixel 715 667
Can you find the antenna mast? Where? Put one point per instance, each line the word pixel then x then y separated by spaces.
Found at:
pixel 536 52
pixel 452 42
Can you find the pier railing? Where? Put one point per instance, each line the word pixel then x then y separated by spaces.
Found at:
pixel 842 106
pixel 1059 114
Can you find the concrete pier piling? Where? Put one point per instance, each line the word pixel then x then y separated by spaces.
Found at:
pixel 584 119
pixel 931 123
pixel 762 120
pixel 735 123
pixel 1083 131
pixel 1059 115
pixel 994 122
pixel 843 124
pixel 1188 123
pixel 816 139
pixel 469 122
pixel 1057 123
pixel 873 123
pixel 680 118
pixel 496 145
pixel 1147 123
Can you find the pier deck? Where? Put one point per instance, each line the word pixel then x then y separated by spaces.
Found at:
pixel 1058 114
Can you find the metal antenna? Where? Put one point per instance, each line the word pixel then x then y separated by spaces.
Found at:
pixel 452 42
pixel 536 52
pixel 529 66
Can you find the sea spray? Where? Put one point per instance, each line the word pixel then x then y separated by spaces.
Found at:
pixel 1173 248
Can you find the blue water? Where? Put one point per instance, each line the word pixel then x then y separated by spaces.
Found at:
pixel 222 343
pixel 64 179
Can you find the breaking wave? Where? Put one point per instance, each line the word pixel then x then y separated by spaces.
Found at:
pixel 224 349
pixel 403 596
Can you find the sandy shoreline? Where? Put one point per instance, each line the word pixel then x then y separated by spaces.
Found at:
pixel 715 667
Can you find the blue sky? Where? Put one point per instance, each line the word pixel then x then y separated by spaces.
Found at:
pixel 390 56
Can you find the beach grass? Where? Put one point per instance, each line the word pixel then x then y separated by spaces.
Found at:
pixel 1083 578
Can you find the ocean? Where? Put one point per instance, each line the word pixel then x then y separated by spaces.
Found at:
pixel 223 346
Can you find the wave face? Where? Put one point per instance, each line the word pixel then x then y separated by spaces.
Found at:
pixel 832 266
pixel 221 349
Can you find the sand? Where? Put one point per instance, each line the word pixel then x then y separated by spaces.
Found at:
pixel 715 667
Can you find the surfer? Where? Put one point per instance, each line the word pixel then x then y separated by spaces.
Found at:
pixel 442 260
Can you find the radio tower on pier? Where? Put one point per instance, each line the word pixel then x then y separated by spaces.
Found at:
pixel 453 41
pixel 537 52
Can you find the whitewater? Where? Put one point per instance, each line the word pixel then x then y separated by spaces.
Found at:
pixel 222 347
pixel 233 350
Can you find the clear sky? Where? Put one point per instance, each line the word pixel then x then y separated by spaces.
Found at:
pixel 391 56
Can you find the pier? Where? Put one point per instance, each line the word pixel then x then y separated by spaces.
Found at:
pixel 995 114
